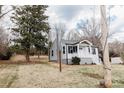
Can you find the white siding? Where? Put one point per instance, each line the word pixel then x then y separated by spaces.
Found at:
pixel 54 48
pixel 116 60
pixel 63 55
pixel 95 57
pixel 87 56
pixel 86 61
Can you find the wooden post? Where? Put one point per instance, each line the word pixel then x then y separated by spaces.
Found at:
pixel 60 66
pixel 107 64
pixel 49 46
pixel 58 50
pixel 57 46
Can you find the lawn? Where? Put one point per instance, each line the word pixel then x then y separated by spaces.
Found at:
pixel 44 74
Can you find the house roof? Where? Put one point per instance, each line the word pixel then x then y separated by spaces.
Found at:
pixel 73 42
pixel 86 42
pixel 70 41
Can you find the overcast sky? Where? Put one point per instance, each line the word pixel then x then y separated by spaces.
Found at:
pixel 71 15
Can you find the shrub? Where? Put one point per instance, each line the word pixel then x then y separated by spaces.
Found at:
pixel 6 55
pixel 75 60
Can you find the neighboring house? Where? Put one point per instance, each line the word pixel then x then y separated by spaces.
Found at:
pixel 83 49
pixel 116 60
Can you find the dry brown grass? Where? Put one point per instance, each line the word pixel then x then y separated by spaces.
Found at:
pixel 17 58
pixel 46 74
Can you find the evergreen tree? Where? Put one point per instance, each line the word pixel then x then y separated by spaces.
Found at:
pixel 31 27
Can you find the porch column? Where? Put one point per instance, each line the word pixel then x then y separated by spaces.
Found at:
pixel 66 53
pixel 78 50
pixel 90 49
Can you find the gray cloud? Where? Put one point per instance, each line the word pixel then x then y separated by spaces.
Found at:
pixel 68 12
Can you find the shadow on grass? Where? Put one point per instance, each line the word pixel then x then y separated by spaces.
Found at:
pixel 118 81
pixel 92 75
pixel 24 62
pixel 6 63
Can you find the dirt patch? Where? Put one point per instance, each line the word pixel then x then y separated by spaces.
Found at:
pixel 18 58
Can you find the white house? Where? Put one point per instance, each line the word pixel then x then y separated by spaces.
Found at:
pixel 83 49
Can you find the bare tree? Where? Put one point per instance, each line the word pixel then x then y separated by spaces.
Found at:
pixel 3 40
pixel 104 42
pixel 2 14
pixel 2 30
pixel 115 48
pixel 73 35
pixel 60 29
pixel 3 34
pixel 91 31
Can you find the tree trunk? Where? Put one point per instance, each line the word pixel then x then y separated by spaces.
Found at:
pixel 27 56
pixel 107 65
pixel 38 54
pixel 107 68
pixel 60 65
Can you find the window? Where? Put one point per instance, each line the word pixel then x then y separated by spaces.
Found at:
pixel 72 49
pixel 93 51
pixel 89 49
pixel 63 49
pixel 52 52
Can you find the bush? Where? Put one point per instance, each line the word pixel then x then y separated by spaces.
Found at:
pixel 75 60
pixel 6 55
